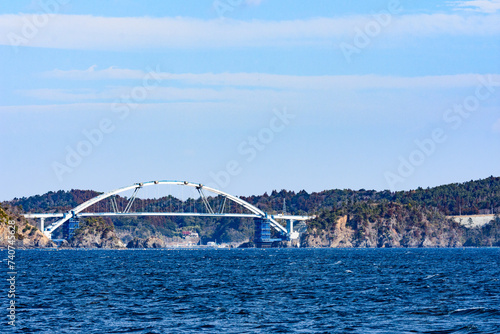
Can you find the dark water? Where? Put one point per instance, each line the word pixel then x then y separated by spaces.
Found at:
pixel 258 291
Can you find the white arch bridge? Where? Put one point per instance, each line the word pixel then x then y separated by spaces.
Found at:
pixel 263 221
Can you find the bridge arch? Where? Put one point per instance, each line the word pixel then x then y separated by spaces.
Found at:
pixel 200 187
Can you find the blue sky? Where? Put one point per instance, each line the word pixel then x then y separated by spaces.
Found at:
pixel 248 95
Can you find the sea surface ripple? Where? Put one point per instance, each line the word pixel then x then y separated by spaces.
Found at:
pixel 258 291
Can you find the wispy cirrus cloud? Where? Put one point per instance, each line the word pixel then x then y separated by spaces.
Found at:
pixel 276 81
pixel 88 32
pixel 481 6
pixel 158 94
pixel 92 73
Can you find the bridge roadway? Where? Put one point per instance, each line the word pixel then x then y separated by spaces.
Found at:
pixel 182 214
pixel 43 216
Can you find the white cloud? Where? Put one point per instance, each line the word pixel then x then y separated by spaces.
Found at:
pixel 85 107
pixel 482 6
pixel 136 33
pixel 92 74
pixel 61 94
pixel 275 81
pixel 156 94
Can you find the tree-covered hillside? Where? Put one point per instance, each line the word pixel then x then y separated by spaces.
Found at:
pixel 390 224
pixel 473 197
pixel 58 201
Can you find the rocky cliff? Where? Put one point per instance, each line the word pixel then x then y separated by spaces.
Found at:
pixel 26 234
pixel 151 242
pixel 94 233
pixel 391 226
pixel 340 235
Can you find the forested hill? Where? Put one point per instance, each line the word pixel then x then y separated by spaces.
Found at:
pixel 473 197
pixel 58 201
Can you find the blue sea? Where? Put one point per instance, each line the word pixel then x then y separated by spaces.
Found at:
pixel 256 291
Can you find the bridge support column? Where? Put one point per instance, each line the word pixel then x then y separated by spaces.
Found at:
pixel 42 224
pixel 291 233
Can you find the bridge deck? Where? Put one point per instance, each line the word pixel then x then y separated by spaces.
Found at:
pixel 183 214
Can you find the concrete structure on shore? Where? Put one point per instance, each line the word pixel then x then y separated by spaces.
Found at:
pixel 471 221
